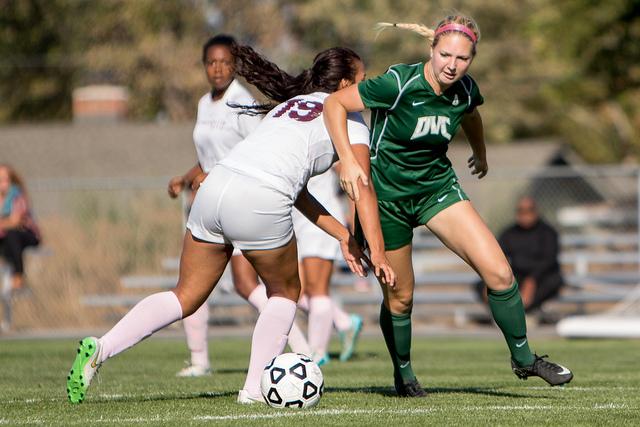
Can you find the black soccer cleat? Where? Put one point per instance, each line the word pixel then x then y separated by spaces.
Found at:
pixel 409 389
pixel 551 372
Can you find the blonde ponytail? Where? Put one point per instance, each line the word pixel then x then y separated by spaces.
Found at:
pixel 423 30
pixel 470 29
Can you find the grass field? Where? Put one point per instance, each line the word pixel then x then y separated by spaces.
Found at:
pixel 469 383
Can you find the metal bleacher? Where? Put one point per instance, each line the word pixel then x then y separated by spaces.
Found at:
pixel 599 269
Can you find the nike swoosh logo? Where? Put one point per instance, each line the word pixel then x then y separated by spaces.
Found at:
pixel 404 365
pixel 521 344
pixel 564 371
pixel 93 362
pixel 442 198
pixel 415 104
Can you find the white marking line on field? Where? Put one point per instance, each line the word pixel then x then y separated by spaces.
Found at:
pixel 572 388
pixel 414 411
pixel 610 406
pixel 323 412
pixel 111 396
pixel 319 412
pixel 118 397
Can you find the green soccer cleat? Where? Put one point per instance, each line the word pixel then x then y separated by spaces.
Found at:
pixel 350 337
pixel 84 367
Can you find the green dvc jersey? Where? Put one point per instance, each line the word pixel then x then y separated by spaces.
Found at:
pixel 411 128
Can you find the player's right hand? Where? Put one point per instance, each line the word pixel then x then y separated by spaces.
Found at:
pixel 176 185
pixel 353 254
pixel 197 181
pixel 350 172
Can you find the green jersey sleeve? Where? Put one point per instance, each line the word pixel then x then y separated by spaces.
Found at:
pixel 379 92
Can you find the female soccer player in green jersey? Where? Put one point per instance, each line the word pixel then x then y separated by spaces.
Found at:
pixel 416 110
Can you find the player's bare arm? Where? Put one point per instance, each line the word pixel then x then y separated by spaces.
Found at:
pixel 473 129
pixel 367 207
pixel 317 214
pixel 336 107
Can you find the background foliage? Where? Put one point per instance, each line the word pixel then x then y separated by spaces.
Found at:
pixel 546 68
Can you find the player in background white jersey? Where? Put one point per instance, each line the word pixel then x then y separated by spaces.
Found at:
pixel 218 129
pixel 317 252
pixel 246 202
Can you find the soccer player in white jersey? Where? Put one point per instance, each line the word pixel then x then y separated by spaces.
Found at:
pixel 317 251
pixel 218 129
pixel 246 202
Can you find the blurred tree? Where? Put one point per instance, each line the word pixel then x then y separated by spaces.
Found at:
pixel 592 50
pixel 503 66
pixel 36 72
pixel 569 68
pixel 151 47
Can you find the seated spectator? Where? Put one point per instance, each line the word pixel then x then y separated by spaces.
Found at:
pixel 18 230
pixel 531 245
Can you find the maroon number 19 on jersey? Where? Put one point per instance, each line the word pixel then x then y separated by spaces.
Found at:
pixel 300 110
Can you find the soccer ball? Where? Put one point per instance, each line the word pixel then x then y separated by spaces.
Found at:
pixel 292 380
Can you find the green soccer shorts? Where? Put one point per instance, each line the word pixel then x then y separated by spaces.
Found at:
pixel 398 218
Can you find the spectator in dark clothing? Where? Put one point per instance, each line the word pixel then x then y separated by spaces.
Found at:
pixel 531 245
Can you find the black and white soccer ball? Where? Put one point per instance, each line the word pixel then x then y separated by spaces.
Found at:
pixel 292 380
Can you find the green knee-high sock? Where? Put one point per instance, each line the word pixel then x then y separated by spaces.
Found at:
pixel 508 312
pixel 396 329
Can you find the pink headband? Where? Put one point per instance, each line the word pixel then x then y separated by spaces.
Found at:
pixel 456 27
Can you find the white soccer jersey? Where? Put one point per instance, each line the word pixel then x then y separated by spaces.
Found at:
pixel 291 144
pixel 219 127
pixel 325 188
pixel 312 241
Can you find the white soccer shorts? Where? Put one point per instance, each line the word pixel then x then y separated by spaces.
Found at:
pixel 240 210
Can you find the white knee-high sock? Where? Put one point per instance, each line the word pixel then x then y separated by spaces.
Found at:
pixel 320 323
pixel 148 316
pixel 269 339
pixel 297 341
pixel 341 319
pixel 195 327
pixel 258 298
pixel 303 303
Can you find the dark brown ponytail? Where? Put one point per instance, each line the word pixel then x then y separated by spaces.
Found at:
pixel 328 69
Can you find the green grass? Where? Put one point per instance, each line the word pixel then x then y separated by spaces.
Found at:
pixel 469 383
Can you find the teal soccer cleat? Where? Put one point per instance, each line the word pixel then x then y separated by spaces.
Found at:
pixel 349 338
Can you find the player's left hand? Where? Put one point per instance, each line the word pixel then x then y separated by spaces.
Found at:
pixel 197 181
pixel 353 255
pixel 382 269
pixel 350 173
pixel 478 166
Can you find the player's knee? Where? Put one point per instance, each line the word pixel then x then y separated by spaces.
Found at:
pixel 289 289
pixel 244 287
pixel 188 302
pixel 500 278
pixel 401 305
pixel 314 288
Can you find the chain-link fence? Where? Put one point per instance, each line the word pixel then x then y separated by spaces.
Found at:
pixel 573 199
pixel 97 231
